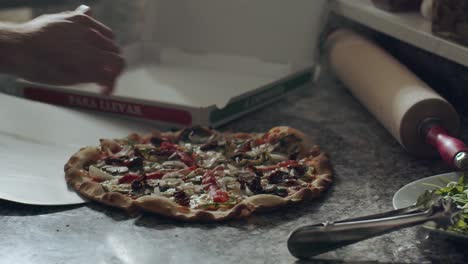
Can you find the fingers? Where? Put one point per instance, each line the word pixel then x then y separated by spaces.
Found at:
pixel 84 9
pixel 90 22
pixel 96 39
pixel 98 66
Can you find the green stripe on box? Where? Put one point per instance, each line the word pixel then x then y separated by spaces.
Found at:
pixel 259 98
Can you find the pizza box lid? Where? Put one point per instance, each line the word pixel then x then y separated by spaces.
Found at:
pixel 197 62
pixel 205 62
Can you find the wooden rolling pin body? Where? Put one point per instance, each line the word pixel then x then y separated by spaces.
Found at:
pixel 394 95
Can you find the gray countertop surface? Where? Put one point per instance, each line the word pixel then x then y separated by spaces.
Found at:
pixel 370 166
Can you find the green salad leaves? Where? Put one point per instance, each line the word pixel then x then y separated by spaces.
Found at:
pixel 458 192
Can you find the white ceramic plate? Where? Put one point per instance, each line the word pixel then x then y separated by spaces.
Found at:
pixel 409 194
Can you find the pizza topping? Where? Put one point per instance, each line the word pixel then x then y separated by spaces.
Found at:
pixel 203 169
pixel 124 151
pixel 171 182
pixel 210 159
pixel 278 177
pixel 278 157
pixel 270 188
pixel 244 147
pixel 281 191
pixel 289 144
pixel 114 170
pixel 297 170
pixel 111 146
pixel 163 187
pixel 129 178
pixel 255 185
pixel 294 155
pixel 185 158
pixel 154 175
pixel 156 141
pixel 95 172
pixel 220 196
pixel 138 185
pixel 134 163
pixel 181 198
pixel 196 134
pixel 113 161
pixel 174 164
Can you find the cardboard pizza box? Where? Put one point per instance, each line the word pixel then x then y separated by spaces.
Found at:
pixel 205 62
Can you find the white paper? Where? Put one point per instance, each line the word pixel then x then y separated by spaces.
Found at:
pixel 36 140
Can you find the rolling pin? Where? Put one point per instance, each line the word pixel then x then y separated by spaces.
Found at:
pixel 420 119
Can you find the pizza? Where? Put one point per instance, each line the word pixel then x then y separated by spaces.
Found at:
pixel 200 174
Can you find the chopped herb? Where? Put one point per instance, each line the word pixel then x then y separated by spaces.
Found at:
pixel 458 192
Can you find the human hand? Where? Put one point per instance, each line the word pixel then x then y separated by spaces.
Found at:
pixel 68 48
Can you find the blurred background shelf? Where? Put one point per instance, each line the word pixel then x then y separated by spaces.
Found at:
pixel 411 28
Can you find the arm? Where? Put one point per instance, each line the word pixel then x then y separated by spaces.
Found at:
pixel 61 49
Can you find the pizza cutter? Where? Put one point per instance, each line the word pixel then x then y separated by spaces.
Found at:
pixel 309 241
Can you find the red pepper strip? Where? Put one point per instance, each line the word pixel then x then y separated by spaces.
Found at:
pixel 154 175
pixel 96 179
pixel 185 158
pixel 209 179
pixel 288 163
pixel 168 146
pixel 219 168
pixel 220 196
pixel 129 178
pixel 267 168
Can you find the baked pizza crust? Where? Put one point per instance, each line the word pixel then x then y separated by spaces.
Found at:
pixel 84 185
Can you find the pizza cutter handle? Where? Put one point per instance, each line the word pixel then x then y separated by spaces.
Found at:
pixel 452 150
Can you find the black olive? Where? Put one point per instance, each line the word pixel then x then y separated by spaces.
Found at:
pixel 240 156
pixel 300 170
pixel 283 192
pixel 196 130
pixel 256 186
pixel 156 141
pixel 163 188
pixel 181 198
pixel 137 152
pixel 114 161
pixel 294 155
pixel 277 177
pixel 209 146
pixel 137 186
pixel 135 163
pixel 290 182
pixel 270 188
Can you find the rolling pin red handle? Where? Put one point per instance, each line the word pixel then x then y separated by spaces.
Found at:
pixel 452 150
